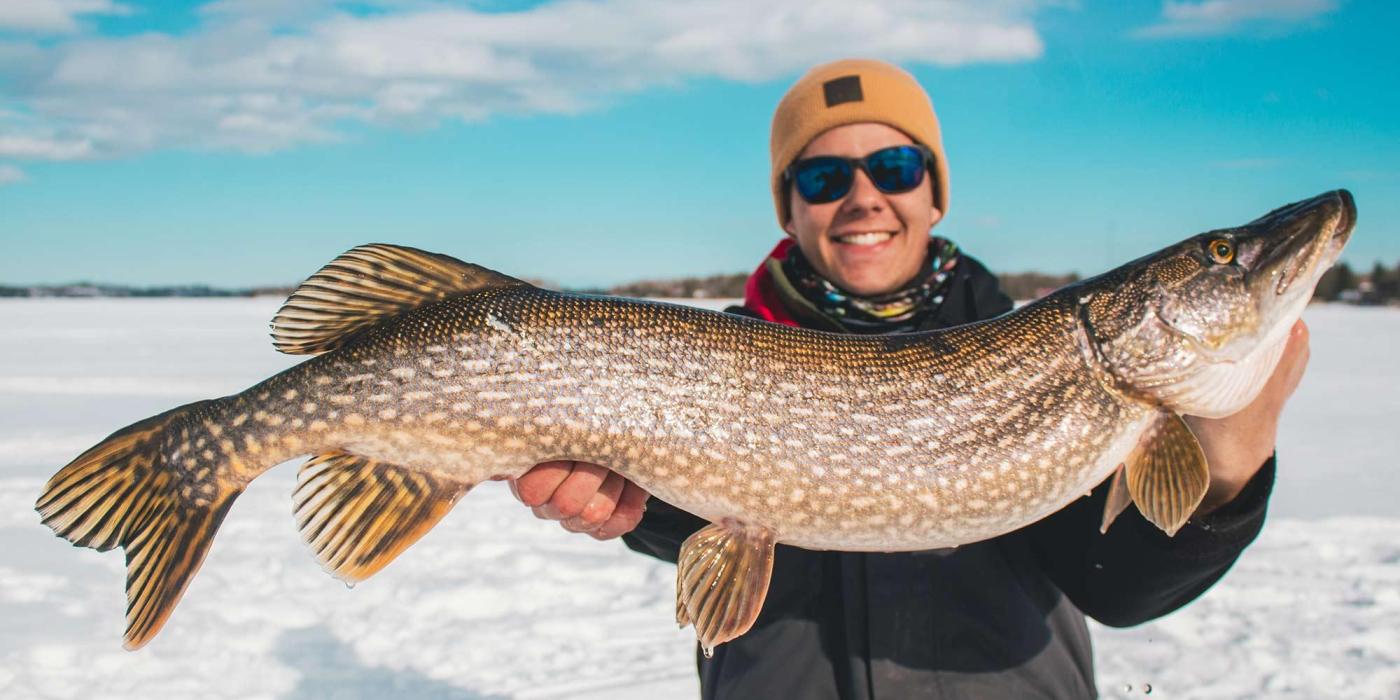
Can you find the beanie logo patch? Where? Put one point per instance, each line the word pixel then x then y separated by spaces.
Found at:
pixel 842 90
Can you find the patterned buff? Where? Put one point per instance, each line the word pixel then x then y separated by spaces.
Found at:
pixel 899 311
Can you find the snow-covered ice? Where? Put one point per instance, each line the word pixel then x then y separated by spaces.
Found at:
pixel 494 603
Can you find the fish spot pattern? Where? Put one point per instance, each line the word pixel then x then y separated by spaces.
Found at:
pixel 852 442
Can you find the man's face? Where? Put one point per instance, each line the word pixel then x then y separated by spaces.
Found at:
pixel 867 242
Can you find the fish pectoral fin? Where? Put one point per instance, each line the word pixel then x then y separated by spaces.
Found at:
pixel 366 285
pixel 721 580
pixel 1118 499
pixel 358 514
pixel 1167 474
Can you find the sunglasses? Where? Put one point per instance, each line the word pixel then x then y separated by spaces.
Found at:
pixel 824 179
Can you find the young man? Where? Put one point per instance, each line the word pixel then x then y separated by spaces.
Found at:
pixel 859 180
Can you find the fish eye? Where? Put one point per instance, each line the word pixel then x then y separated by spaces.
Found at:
pixel 1222 250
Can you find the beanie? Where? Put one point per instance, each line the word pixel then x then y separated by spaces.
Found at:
pixel 848 92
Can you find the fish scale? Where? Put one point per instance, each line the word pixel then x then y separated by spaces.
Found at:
pixel 433 375
pixel 537 375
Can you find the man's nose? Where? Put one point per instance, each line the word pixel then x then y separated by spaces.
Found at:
pixel 864 196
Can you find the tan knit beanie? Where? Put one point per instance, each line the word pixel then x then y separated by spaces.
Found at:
pixel 847 92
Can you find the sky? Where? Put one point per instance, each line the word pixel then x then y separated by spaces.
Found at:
pixel 248 142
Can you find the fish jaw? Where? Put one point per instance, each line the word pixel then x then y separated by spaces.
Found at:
pixel 1200 331
pixel 1297 244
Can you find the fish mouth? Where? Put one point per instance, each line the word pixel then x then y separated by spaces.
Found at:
pixel 1346 222
pixel 1301 240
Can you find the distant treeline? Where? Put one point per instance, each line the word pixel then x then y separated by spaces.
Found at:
pixel 1033 285
pixel 711 287
pixel 1023 285
pixel 1379 286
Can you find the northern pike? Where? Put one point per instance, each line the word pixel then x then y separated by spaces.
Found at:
pixel 432 375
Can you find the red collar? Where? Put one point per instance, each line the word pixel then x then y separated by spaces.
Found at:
pixel 760 293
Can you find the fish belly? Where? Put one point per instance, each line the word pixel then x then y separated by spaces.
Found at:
pixel 837 451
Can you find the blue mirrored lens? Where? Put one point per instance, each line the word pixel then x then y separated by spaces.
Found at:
pixel 896 169
pixel 828 178
pixel 821 180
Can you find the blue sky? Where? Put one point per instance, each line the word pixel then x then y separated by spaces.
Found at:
pixel 246 142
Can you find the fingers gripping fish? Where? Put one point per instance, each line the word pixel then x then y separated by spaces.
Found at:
pixel 432 375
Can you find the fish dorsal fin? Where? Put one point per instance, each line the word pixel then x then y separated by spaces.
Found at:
pixel 1167 474
pixel 367 284
pixel 721 580
pixel 359 514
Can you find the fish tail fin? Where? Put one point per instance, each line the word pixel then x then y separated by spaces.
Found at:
pixel 158 490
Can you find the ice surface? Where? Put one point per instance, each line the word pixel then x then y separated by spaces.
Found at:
pixel 494 603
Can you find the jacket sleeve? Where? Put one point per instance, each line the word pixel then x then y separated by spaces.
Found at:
pixel 663 529
pixel 1135 572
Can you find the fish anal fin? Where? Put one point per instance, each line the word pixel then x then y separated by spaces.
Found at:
pixel 1167 474
pixel 366 285
pixel 358 514
pixel 721 580
pixel 1118 499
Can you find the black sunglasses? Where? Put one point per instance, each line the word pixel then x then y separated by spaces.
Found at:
pixel 824 179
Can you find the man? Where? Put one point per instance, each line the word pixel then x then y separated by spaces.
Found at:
pixel 859 180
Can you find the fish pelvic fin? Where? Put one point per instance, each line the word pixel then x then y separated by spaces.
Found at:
pixel 147 489
pixel 366 285
pixel 722 579
pixel 1118 499
pixel 1166 475
pixel 358 514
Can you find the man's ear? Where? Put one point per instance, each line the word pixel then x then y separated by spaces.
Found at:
pixel 787 215
pixel 937 217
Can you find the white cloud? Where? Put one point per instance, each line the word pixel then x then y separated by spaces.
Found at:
pixel 39 148
pixel 52 16
pixel 1216 17
pixel 9 174
pixel 259 75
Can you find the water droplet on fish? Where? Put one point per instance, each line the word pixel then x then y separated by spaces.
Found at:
pixel 1147 689
pixel 349 585
pixel 1127 687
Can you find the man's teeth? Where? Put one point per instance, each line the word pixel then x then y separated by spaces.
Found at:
pixel 870 238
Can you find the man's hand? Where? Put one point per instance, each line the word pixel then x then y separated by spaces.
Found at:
pixel 583 497
pixel 1237 445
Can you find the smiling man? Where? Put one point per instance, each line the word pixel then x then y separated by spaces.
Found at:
pixel 859 181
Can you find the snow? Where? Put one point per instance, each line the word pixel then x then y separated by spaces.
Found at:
pixel 494 603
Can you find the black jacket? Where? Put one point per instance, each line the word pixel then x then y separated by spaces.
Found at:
pixel 1002 618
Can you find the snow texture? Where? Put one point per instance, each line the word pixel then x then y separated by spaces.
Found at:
pixel 494 603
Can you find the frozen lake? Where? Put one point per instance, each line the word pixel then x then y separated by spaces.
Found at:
pixel 494 603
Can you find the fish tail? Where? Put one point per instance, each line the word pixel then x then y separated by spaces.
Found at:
pixel 159 489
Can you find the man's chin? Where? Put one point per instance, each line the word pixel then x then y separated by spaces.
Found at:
pixel 865 275
pixel 866 286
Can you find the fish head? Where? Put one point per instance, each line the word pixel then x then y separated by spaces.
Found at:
pixel 1200 325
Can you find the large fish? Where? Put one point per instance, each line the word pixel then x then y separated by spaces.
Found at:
pixel 432 375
